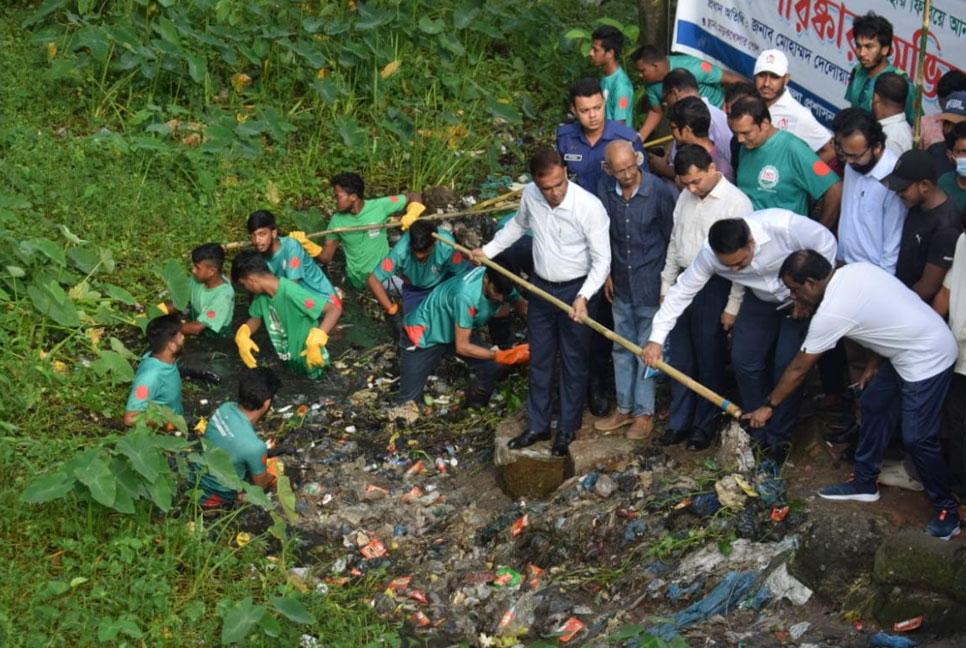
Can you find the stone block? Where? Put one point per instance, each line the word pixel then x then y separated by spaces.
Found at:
pixel 613 453
pixel 940 615
pixel 912 558
pixel 531 473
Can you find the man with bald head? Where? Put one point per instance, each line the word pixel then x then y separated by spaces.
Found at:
pixel 641 209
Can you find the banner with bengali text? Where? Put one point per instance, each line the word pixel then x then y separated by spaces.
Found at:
pixel 816 35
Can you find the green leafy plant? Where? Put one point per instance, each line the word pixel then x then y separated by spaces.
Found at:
pixel 583 36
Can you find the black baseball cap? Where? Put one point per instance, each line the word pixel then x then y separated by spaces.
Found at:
pixel 913 165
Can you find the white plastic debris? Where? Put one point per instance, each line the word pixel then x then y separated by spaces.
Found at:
pixel 783 585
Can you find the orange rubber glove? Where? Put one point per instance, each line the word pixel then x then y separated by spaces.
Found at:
pixel 520 354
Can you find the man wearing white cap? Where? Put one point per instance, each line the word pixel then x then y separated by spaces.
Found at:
pixel 771 79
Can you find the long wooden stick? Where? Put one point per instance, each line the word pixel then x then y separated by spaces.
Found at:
pixel 920 81
pixel 687 381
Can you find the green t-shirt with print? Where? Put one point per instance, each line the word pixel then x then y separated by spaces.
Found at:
pixel 443 262
pixel 288 317
pixel 947 182
pixel 783 172
pixel 862 86
pixel 156 382
pixel 363 250
pixel 291 261
pixel 458 301
pixel 213 307
pixel 231 431
pixel 707 75
pixel 618 97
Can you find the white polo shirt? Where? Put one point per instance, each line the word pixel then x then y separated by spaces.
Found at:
pixel 869 306
pixel 789 115
pixel 955 281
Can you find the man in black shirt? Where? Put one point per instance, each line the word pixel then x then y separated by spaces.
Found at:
pixel 931 228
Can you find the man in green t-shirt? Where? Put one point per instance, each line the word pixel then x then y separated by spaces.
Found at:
pixel 653 65
pixel 873 46
pixel 954 182
pixel 363 250
pixel 212 300
pixel 232 428
pixel 444 322
pixel 291 257
pixel 421 262
pixel 777 169
pixel 605 53
pixel 290 313
pixel 157 379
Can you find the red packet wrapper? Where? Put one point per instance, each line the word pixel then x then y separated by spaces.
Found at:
pixel 417 467
pixel 399 584
pixel 374 549
pixel 778 514
pixel 908 624
pixel 570 629
pixel 418 595
pixel 414 492
pixel 420 620
pixel 519 525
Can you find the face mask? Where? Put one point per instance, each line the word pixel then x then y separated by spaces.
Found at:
pixel 961 167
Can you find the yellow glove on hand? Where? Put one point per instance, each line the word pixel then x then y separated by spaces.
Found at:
pixel 163 308
pixel 313 348
pixel 413 211
pixel 201 426
pixel 312 249
pixel 243 338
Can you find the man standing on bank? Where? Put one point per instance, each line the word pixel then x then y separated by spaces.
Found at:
pixel 571 260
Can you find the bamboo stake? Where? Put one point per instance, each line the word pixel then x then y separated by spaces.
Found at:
pixel 692 384
pixel 920 81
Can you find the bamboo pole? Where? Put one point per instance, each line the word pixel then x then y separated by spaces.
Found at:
pixel 920 81
pixel 692 384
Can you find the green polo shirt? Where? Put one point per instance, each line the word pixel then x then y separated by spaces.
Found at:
pixel 783 172
pixel 707 75
pixel 947 182
pixel 363 250
pixel 213 307
pixel 862 86
pixel 291 261
pixel 458 301
pixel 155 382
pixel 231 431
pixel 443 262
pixel 287 317
pixel 618 97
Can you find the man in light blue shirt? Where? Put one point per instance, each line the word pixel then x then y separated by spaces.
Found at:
pixel 870 227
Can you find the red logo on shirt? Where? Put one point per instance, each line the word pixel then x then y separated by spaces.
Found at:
pixel 821 169
pixel 294 262
pixel 415 333
pixel 335 300
pixel 622 102
pixel 472 311
pixel 387 265
pixel 141 393
pixel 457 258
pixel 210 314
pixel 309 303
pixel 394 198
pixel 705 66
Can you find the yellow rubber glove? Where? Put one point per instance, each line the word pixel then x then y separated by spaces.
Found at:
pixel 312 249
pixel 163 308
pixel 201 426
pixel 413 211
pixel 313 348
pixel 243 338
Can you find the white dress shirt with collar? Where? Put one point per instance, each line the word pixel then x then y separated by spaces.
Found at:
pixel 776 233
pixel 789 115
pixel 898 133
pixel 570 241
pixel 870 227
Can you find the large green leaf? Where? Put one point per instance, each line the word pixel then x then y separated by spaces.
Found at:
pixel 503 111
pixel 221 468
pixel 99 479
pixel 348 128
pixel 161 491
pixel 286 498
pixel 176 279
pixel 326 89
pixel 291 609
pixel 429 26
pixel 144 458
pixel 465 13
pixel 43 11
pixel 51 300
pixel 278 126
pixel 239 620
pixel 48 487
pixel 114 365
pixel 53 251
pixel 84 259
pixel 197 67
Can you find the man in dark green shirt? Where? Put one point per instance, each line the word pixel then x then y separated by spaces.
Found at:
pixel 873 46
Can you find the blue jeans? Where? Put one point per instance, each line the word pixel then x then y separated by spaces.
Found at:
pixel 635 393
pixel 765 341
pixel 917 407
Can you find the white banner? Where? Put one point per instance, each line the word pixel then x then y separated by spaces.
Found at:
pixel 816 35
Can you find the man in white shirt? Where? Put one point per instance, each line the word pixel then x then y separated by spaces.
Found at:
pixel 951 301
pixel 888 104
pixel 905 381
pixel 571 261
pixel 748 251
pixel 870 225
pixel 698 340
pixel 771 79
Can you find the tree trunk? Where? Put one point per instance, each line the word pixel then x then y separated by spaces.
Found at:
pixel 653 19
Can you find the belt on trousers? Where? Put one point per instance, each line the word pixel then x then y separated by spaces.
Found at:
pixel 561 284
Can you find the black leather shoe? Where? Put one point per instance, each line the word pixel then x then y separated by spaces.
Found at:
pixel 561 444
pixel 597 402
pixel 528 438
pixel 673 437
pixel 698 440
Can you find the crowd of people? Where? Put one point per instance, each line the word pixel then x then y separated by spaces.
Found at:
pixel 758 239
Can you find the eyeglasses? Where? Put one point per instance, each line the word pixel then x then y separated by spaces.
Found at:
pixel 849 157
